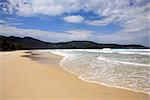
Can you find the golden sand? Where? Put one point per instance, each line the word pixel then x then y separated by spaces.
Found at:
pixel 24 79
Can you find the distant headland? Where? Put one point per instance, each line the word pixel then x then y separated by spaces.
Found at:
pixel 26 43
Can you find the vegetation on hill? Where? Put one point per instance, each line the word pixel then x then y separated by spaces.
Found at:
pixel 18 43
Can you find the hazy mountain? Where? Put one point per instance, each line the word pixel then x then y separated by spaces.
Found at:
pixel 17 43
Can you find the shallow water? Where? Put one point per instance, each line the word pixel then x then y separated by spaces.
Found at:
pixel 122 68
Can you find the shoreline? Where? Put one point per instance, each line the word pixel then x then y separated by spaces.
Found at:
pixel 79 76
pixel 138 91
pixel 42 82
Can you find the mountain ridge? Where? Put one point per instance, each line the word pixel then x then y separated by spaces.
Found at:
pixel 19 43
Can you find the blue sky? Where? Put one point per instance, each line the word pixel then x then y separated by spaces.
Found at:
pixel 102 21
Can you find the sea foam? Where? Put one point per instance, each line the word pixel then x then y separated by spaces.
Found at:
pixel 130 70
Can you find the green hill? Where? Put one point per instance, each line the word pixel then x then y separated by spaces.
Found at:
pixel 18 43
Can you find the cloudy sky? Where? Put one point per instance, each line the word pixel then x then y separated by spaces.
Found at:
pixel 102 21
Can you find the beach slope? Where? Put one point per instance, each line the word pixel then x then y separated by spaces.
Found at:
pixel 22 78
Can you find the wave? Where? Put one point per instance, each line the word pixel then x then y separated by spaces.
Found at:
pixel 139 53
pixel 90 77
pixel 91 67
pixel 120 87
pixel 123 62
pixel 119 51
pixel 96 82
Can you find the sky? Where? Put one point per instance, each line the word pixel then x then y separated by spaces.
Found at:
pixel 101 21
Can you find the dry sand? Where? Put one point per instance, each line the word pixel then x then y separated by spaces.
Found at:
pixel 24 79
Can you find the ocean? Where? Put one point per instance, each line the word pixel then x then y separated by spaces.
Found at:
pixel 120 68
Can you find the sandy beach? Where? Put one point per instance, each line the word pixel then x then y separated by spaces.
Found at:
pixel 22 78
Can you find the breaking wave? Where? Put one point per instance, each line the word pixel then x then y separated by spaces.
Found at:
pixel 129 69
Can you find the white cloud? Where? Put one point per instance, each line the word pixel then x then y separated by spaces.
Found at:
pixel 74 19
pixel 119 11
pixel 121 37
pixel 46 7
pixel 8 30
pixel 133 17
pixel 2 21
pixel 101 22
pixel 81 34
